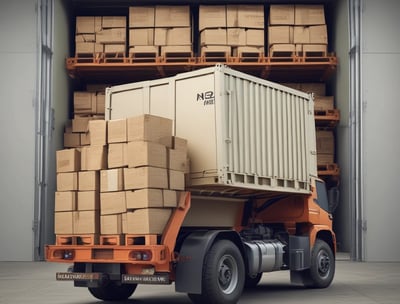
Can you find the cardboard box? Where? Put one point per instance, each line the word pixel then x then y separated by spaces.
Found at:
pixel 323 103
pixel 94 158
pixel 172 16
pixel 117 155
pixel 212 16
pixel 281 14
pixel 98 132
pixel 84 25
pixel 176 180
pixel 80 123
pixel 113 35
pixel 142 153
pixel 101 102
pixel 173 36
pixel 113 22
pixel 86 222
pixel 213 37
pixel 64 222
pixel 89 180
pixel 84 102
pixel 67 181
pixel 141 36
pixel 112 202
pixel 141 16
pixel 85 38
pixel 65 201
pixel 301 34
pixel 318 34
pixel 72 140
pixel 147 221
pixel 280 34
pixel 84 139
pixel 148 128
pixel 177 160
pixel 68 160
pixel 325 142
pixel 112 180
pixel 309 15
pixel 236 36
pixel 144 198
pixel 117 131
pixel 320 49
pixel 174 142
pixel 255 37
pixel 111 224
pixel 84 47
pixel 115 48
pixel 246 16
pixel 145 177
pixel 88 200
pixel 325 159
pixel 170 198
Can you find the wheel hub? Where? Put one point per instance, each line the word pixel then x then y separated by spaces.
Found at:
pixel 227 274
pixel 323 264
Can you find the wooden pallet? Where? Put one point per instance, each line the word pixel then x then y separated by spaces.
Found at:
pixel 118 57
pixel 328 169
pixel 328 118
pixel 141 239
pixel 145 57
pixel 114 239
pixel 250 57
pixel 85 58
pixel 82 239
pixel 177 57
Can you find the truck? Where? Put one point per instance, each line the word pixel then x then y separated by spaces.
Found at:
pixel 252 203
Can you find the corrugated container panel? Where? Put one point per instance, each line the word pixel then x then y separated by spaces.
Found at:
pixel 242 131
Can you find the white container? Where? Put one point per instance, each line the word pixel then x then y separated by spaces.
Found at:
pixel 242 131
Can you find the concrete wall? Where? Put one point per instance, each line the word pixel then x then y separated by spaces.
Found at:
pixel 381 145
pixel 18 74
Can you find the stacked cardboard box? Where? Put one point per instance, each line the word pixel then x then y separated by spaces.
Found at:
pixel 232 29
pixel 100 35
pixel 325 147
pixel 127 181
pixel 160 29
pixel 88 105
pixel 297 29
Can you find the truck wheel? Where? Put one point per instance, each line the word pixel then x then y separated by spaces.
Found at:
pixel 322 269
pixel 113 292
pixel 252 282
pixel 223 275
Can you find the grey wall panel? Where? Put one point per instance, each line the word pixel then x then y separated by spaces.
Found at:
pixel 381 156
pixel 381 148
pixel 17 128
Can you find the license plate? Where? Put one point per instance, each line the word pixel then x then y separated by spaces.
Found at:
pixel 145 279
pixel 78 276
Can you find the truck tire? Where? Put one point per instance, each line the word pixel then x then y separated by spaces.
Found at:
pixel 252 282
pixel 223 275
pixel 322 269
pixel 113 292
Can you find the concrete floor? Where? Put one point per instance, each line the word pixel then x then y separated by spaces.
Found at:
pixel 364 283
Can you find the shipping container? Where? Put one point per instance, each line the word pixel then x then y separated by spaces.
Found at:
pixel 230 120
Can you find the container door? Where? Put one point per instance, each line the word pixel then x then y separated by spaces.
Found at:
pixel 195 121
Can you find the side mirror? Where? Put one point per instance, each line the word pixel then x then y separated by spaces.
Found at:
pixel 333 199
